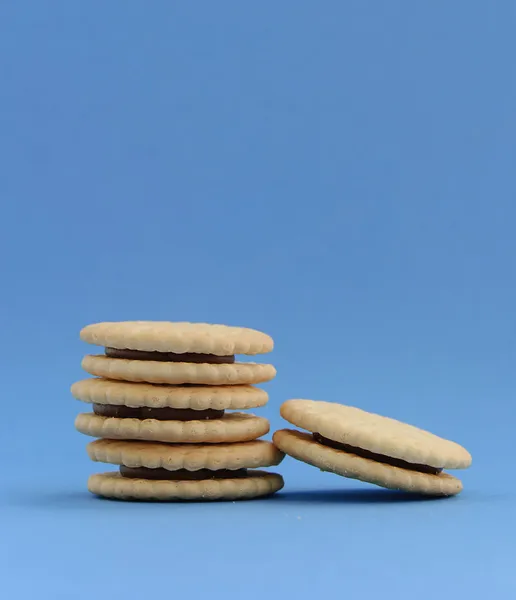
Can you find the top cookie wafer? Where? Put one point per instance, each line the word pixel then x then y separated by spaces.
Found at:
pixel 374 433
pixel 178 337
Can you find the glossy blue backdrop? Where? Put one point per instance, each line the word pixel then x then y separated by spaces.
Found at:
pixel 338 174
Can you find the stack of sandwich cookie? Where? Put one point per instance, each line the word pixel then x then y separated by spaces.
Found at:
pixel 371 448
pixel 160 395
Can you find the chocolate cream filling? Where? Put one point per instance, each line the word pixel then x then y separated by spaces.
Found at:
pixel 387 460
pixel 161 414
pixel 181 474
pixel 189 357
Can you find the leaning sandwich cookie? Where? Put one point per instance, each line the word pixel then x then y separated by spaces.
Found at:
pixel 168 390
pixel 360 445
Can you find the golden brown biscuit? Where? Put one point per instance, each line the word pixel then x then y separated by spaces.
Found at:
pixel 381 435
pixel 303 447
pixel 178 337
pixel 192 457
pixel 232 427
pixel 175 373
pixel 201 397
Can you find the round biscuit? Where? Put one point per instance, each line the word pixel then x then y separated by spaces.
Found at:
pixel 255 485
pixel 123 393
pixel 149 371
pixel 381 435
pixel 178 337
pixel 232 427
pixel 301 446
pixel 192 457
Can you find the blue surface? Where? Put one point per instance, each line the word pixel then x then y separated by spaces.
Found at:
pixel 338 174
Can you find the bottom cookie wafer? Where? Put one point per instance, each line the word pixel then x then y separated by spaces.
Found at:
pixel 302 446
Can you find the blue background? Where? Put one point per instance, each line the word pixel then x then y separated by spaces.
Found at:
pixel 337 174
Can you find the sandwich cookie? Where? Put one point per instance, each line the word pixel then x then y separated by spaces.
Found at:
pixel 155 471
pixel 360 445
pixel 177 353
